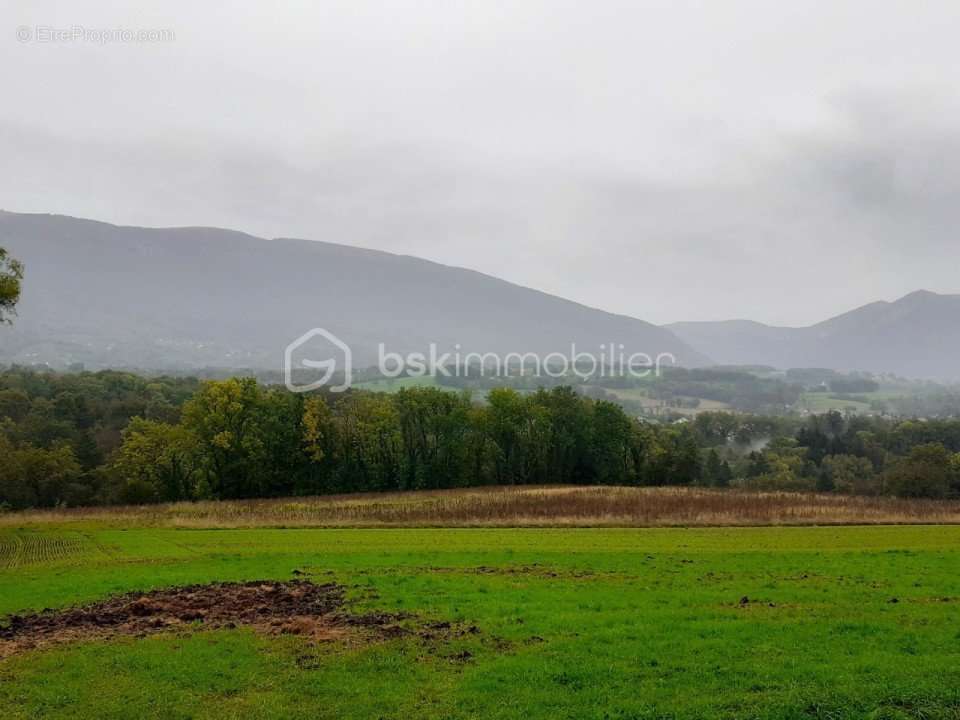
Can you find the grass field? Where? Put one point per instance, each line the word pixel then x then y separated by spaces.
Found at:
pixel 642 396
pixel 821 402
pixel 789 622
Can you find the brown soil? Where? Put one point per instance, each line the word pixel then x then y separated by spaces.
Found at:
pixel 296 607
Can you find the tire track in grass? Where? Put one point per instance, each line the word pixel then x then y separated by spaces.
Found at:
pixel 11 546
pixel 30 548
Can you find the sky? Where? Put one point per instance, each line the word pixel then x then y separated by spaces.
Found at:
pixel 676 160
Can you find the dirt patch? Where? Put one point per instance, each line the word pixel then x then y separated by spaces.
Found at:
pixel 296 607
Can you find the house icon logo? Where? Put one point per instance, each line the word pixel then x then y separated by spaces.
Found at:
pixel 303 354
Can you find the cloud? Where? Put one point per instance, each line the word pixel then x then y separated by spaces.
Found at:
pixel 669 161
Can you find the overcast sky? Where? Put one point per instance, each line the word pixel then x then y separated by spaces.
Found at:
pixel 669 160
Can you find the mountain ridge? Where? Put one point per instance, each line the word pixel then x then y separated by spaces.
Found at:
pixel 124 296
pixel 917 335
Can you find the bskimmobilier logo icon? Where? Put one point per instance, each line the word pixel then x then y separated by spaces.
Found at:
pixel 303 353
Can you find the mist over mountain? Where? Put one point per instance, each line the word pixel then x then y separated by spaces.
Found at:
pixel 917 336
pixel 112 296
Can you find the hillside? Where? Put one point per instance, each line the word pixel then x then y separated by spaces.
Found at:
pixel 916 336
pixel 105 295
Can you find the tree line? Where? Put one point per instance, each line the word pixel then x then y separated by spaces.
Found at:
pixel 853 454
pixel 237 439
pixel 114 437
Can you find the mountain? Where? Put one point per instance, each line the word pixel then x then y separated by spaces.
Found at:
pixel 917 336
pixel 111 296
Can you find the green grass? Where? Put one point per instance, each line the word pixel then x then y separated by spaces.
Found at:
pixel 576 623
pixel 642 396
pixel 821 402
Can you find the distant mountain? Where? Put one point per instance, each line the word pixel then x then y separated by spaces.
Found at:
pixel 917 336
pixel 110 296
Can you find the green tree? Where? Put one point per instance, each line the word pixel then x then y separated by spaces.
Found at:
pixel 726 475
pixel 712 468
pixel 610 444
pixel 318 430
pixel 567 435
pixel 36 477
pixel 14 404
pixel 955 474
pixel 781 467
pixel 506 421
pixel 924 473
pixel 715 428
pixel 687 464
pixel 433 427
pixel 850 474
pixel 369 444
pixel 11 275
pixel 248 439
pixel 158 461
